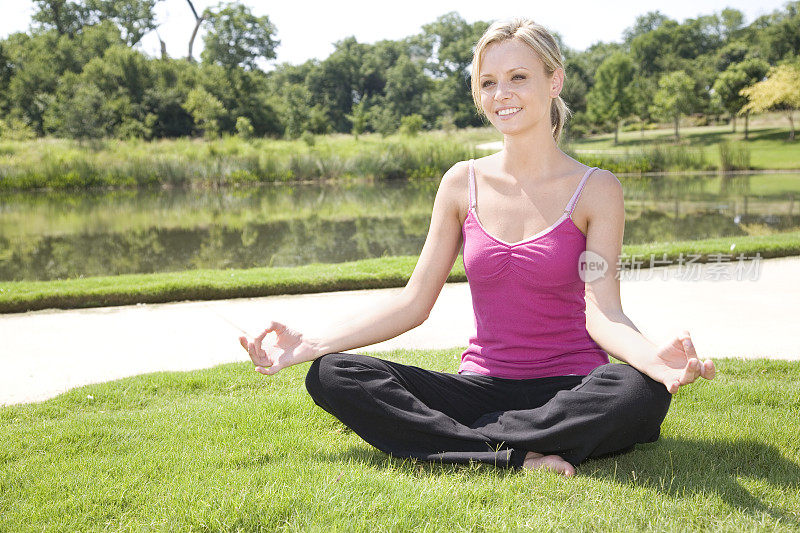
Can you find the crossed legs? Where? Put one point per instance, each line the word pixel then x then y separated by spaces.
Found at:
pixel 407 411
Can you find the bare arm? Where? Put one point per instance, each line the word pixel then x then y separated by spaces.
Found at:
pixel 407 311
pixel 673 364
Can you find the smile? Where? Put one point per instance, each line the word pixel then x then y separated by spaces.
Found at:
pixel 508 111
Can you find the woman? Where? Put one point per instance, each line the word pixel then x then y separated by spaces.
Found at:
pixel 535 388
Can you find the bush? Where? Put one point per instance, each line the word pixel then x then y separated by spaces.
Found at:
pixel 411 124
pixel 734 156
pixel 244 127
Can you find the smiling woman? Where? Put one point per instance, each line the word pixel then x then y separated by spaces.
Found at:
pixel 535 388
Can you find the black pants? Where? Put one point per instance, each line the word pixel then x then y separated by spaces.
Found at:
pixel 411 412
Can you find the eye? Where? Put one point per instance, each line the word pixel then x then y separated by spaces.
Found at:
pixel 520 76
pixel 485 84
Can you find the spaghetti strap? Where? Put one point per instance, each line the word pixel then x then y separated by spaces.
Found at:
pixel 574 200
pixel 471 183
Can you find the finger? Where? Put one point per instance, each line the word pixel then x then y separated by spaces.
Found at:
pixel 243 341
pixel 261 337
pixel 251 349
pixel 688 345
pixel 268 370
pixel 691 371
pixel 709 370
pixel 672 386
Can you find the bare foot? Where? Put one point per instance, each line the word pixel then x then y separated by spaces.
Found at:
pixel 554 463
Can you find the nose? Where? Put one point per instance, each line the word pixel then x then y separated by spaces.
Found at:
pixel 503 91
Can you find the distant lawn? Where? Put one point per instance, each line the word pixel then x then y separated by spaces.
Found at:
pixel 19 296
pixel 768 144
pixel 225 449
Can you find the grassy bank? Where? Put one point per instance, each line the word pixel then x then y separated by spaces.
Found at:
pixel 700 148
pixel 68 165
pixel 225 449
pixel 20 296
pixel 63 165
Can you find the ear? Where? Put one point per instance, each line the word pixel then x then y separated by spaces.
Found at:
pixel 557 83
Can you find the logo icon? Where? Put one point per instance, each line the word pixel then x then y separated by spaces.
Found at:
pixel 591 266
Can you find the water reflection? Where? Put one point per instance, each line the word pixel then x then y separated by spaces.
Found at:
pixel 48 236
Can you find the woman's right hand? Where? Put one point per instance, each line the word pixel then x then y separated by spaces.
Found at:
pixel 289 349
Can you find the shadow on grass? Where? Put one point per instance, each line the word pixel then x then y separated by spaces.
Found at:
pixel 677 467
pixel 674 467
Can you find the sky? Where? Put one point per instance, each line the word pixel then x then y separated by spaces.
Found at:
pixel 307 29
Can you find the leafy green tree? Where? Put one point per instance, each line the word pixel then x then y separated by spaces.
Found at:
pixel 780 91
pixel 776 36
pixel 674 97
pixel 580 69
pixel 6 72
pixel 736 77
pixel 64 16
pixel 237 38
pixel 646 23
pixel 206 110
pixel 732 21
pixel 446 45
pixel 610 99
pixel 135 18
pixel 171 82
pixel 78 110
pixel 411 124
pixel 642 91
pixel 405 85
pixel 244 128
pixel 334 84
pixel 358 118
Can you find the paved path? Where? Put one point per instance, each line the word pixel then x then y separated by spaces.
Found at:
pixel 45 353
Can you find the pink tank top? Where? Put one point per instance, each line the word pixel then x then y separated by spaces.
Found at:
pixel 528 300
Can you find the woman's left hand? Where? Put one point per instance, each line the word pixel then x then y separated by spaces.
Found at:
pixel 676 363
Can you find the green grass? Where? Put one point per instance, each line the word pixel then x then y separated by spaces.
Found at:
pixel 20 296
pixel 225 449
pixel 63 164
pixel 767 144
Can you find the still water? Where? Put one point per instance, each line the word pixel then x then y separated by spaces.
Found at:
pixel 52 235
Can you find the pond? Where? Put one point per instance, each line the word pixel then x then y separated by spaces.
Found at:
pixel 48 235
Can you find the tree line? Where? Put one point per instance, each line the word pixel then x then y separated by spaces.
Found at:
pixel 77 73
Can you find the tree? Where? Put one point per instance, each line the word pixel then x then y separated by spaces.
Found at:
pixel 134 17
pixel 237 38
pixel 780 91
pixel 610 98
pixel 674 97
pixel 206 110
pixel 644 24
pixel 77 110
pixel 62 15
pixel 358 118
pixel 735 78
pixel 642 90
pixel 198 21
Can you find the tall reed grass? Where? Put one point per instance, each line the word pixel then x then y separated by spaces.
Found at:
pixel 64 165
pixel 653 158
pixel 734 156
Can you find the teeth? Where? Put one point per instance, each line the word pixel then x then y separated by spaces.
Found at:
pixel 503 112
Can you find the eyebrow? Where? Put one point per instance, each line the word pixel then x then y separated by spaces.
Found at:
pixel 509 70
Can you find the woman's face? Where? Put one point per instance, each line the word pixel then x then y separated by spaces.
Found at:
pixel 515 90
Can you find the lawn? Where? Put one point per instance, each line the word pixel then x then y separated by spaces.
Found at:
pixel 225 449
pixel 768 142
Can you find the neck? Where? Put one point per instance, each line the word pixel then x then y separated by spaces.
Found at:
pixel 532 154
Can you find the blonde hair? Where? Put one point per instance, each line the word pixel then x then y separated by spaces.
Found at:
pixel 542 42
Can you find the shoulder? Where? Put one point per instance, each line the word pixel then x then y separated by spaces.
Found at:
pixel 603 187
pixel 454 188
